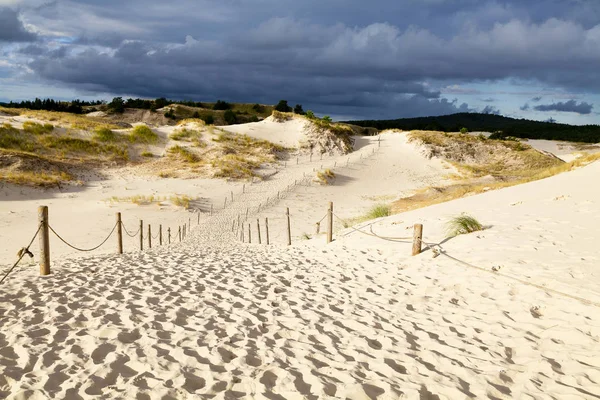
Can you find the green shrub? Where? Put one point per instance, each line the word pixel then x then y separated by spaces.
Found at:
pixel 143 134
pixel 310 115
pixel 464 130
pixel 463 224
pixel 221 105
pixel 104 135
pixel 282 106
pixel 229 117
pixel 327 119
pixel 298 109
pixel 208 119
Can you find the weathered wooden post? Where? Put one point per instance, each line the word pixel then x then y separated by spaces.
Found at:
pixel 119 234
pixel 249 232
pixel 233 226
pixel 198 217
pixel 258 229
pixel 267 229
pixel 318 228
pixel 247 212
pixel 149 236
pixel 242 234
pixel 244 188
pixel 190 224
pixel 417 239
pixel 289 227
pixel 321 156
pixel 310 157
pixel 44 240
pixel 141 235
pixel 297 160
pixel 169 234
pixel 160 235
pixel 330 223
pixel 232 196
pixel 179 233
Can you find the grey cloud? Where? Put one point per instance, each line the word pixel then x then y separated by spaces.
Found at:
pixel 536 99
pixel 568 106
pixel 12 28
pixel 525 107
pixel 490 110
pixel 488 100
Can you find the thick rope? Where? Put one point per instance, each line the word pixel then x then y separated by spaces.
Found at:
pixel 442 252
pixel 23 252
pixel 85 250
pixel 127 232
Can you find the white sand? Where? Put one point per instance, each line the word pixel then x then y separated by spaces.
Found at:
pixel 357 319
pixel 288 133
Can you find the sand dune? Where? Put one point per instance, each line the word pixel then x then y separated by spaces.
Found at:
pixel 509 312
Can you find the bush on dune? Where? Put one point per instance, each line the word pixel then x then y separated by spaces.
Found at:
pixel 143 134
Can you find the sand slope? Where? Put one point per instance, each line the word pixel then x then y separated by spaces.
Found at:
pixel 358 319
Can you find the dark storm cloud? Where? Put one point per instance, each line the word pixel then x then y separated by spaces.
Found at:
pixel 391 56
pixel 568 106
pixel 12 28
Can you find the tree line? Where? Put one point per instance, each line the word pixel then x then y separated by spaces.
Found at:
pixel 501 126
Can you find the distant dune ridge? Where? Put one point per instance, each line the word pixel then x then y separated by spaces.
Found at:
pixel 510 311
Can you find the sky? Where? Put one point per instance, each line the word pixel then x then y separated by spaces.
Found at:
pixel 350 59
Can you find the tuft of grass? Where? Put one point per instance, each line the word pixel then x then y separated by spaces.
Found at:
pixel 139 200
pixel 463 224
pixel 143 134
pixel 181 201
pixel 183 153
pixel 325 177
pixel 71 144
pixel 279 116
pixel 234 166
pixel 104 134
pixel 378 211
pixel 147 154
pixel 37 129
pixel 189 135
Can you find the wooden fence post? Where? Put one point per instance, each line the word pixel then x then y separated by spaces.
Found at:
pixel 160 235
pixel 232 196
pixel 249 232
pixel 289 228
pixel 417 239
pixel 244 188
pixel 242 234
pixel 267 229
pixel 189 223
pixel 119 234
pixel 258 229
pixel 149 236
pixel 169 234
pixel 318 228
pixel 141 235
pixel 44 241
pixel 198 217
pixel 330 223
pixel 179 233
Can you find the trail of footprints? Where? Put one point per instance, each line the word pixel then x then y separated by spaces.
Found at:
pixel 278 324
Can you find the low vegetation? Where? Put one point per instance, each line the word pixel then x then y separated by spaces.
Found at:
pixel 143 134
pixel 325 177
pixel 478 156
pixel 183 154
pixel 37 129
pixel 103 134
pixel 463 224
pixel 63 119
pixel 378 211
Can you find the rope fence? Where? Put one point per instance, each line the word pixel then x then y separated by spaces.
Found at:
pixel 217 215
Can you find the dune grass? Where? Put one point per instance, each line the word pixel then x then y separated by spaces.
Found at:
pixel 181 201
pixel 63 119
pixel 463 224
pixel 104 134
pixel 183 154
pixel 12 139
pixel 36 179
pixel 378 211
pixel 143 134
pixel 37 129
pixel 325 177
